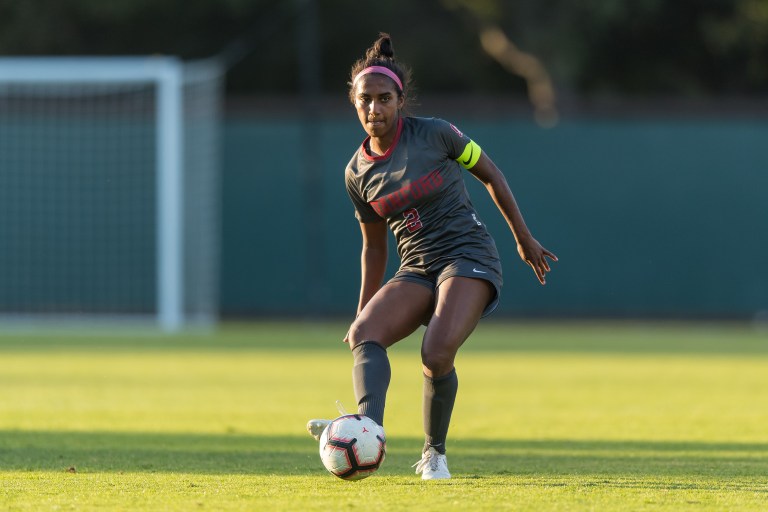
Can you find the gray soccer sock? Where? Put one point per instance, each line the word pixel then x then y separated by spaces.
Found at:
pixel 439 397
pixel 370 378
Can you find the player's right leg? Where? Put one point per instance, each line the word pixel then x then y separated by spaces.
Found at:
pixel 396 311
pixel 393 313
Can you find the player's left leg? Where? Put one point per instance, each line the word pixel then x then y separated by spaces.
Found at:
pixel 460 302
pixel 459 305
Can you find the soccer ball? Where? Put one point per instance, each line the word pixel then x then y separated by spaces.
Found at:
pixel 352 447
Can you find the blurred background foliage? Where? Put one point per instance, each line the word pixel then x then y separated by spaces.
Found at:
pixel 705 48
pixel 658 149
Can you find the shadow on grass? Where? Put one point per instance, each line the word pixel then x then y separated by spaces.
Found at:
pixel 608 336
pixel 549 462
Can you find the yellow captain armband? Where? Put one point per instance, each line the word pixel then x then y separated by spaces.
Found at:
pixel 470 156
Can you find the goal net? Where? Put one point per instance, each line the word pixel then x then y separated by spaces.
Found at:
pixel 109 191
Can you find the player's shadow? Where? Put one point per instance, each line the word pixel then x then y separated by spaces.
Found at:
pixel 236 453
pixel 621 462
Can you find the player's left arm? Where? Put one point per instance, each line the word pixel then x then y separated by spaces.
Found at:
pixel 529 248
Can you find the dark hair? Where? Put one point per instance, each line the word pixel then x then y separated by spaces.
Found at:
pixel 382 53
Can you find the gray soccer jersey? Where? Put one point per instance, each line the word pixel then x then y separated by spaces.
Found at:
pixel 417 186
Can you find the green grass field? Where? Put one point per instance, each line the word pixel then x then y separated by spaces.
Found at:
pixel 568 416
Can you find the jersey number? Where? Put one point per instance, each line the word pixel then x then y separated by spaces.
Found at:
pixel 412 220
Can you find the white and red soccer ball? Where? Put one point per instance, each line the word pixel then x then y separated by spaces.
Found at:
pixel 352 447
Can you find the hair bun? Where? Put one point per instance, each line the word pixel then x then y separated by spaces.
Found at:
pixel 382 48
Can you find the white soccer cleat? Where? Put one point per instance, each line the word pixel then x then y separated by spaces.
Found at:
pixel 316 427
pixel 433 465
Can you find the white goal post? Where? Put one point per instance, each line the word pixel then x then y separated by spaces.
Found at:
pixel 89 146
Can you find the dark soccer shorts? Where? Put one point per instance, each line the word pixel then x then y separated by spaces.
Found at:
pixel 461 268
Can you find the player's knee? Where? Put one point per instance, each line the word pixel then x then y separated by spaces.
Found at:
pixel 437 362
pixel 358 333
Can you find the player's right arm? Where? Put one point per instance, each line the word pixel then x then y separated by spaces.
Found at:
pixel 373 260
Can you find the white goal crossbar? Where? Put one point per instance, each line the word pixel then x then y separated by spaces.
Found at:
pixel 169 75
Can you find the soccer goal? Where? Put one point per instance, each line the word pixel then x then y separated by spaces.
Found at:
pixel 109 191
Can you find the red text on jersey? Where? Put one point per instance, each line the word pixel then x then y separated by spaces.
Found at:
pixel 400 199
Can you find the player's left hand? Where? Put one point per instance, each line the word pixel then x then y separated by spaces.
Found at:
pixel 535 255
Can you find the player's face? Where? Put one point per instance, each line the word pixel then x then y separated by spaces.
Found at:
pixel 378 105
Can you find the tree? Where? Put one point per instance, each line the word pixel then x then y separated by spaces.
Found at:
pixel 534 47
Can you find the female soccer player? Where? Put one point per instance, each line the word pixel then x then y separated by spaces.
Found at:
pixel 407 176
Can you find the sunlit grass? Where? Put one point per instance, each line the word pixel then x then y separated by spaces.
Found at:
pixel 588 416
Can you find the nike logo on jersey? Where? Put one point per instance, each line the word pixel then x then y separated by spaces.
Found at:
pixel 479 271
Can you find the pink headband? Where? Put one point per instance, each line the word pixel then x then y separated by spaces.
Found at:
pixel 382 70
